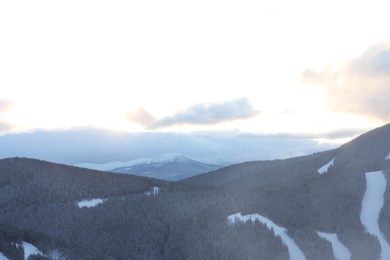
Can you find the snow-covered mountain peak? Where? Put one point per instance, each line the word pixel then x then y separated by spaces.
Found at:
pixel 167 158
pixel 114 165
pixel 171 166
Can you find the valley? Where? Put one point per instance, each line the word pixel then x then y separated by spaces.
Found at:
pixel 327 205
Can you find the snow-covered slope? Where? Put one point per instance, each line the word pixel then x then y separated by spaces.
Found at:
pixel 29 250
pixel 325 168
pixel 217 161
pixel 371 207
pixel 165 158
pixel 114 165
pixel 90 203
pixel 2 257
pixel 293 250
pixel 167 167
pixel 339 250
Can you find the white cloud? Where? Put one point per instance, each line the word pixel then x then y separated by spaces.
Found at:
pixel 5 105
pixel 142 117
pixel 210 113
pixel 360 86
pixel 86 63
pixel 199 114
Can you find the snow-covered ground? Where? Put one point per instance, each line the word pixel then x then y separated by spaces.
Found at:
pixel 153 191
pixel 325 168
pixel 111 165
pixel 2 257
pixel 339 250
pixel 217 160
pixel 165 158
pixel 293 250
pixel 90 203
pixel 30 249
pixel 371 207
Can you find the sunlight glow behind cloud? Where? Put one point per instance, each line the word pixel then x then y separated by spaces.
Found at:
pixel 361 86
pixel 90 63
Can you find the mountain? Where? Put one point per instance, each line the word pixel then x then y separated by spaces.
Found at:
pixel 167 167
pixel 328 205
pixel 235 172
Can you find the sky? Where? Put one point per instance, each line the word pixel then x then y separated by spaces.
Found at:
pixel 317 70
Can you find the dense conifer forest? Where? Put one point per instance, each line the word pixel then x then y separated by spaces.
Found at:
pixel 189 219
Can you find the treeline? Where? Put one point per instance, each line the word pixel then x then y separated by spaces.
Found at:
pixel 171 225
pixel 188 219
pixel 27 181
pixel 11 240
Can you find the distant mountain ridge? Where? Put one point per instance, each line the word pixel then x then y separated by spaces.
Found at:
pixel 171 167
pixel 318 204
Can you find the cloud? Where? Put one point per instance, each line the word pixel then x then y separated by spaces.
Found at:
pixel 361 86
pixel 5 105
pixel 199 114
pixel 142 117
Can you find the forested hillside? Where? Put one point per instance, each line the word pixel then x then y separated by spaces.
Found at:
pixel 42 209
pixel 39 204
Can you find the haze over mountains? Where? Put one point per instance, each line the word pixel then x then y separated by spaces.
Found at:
pixel 98 146
pixel 327 205
pixel 167 167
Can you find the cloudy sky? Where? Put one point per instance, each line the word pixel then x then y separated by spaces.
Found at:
pixel 317 70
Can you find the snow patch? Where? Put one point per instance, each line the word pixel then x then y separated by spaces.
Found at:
pixel 339 250
pixel 2 257
pixel 293 250
pixel 387 157
pixel 153 191
pixel 371 207
pixel 90 203
pixel 325 168
pixel 106 166
pixel 30 249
